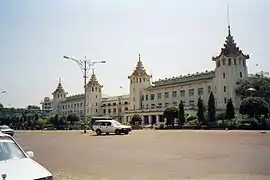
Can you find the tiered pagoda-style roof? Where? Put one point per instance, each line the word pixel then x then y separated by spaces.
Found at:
pixel 230 48
pixel 139 70
pixel 93 80
pixel 59 88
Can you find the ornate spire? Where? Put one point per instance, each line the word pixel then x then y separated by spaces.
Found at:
pixel 230 48
pixel 59 88
pixel 93 80
pixel 139 70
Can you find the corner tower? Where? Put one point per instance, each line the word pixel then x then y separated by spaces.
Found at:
pixel 93 96
pixel 230 67
pixel 139 80
pixel 58 95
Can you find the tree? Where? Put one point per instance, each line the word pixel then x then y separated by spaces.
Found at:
pixel 201 111
pixel 181 113
pixel 230 113
pixel 259 82
pixel 72 118
pixel 254 106
pixel 170 114
pixel 211 108
pixel 1 106
pixel 136 118
pixel 33 107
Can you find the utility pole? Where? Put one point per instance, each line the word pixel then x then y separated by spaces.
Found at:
pixel 85 65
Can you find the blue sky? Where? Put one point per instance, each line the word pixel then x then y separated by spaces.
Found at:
pixel 174 37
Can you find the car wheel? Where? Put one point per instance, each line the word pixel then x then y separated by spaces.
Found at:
pixel 107 133
pixel 117 132
pixel 126 132
pixel 98 131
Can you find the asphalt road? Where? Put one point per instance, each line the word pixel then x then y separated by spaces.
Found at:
pixel 150 154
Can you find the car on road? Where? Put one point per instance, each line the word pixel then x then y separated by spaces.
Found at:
pixel 6 130
pixel 110 126
pixel 16 164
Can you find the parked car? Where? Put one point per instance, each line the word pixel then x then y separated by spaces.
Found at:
pixel 16 164
pixel 110 126
pixel 7 130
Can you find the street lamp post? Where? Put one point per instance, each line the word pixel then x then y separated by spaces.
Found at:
pixel 85 65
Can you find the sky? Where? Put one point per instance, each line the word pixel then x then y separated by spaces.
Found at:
pixel 173 37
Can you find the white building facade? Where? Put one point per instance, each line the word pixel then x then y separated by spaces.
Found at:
pixel 150 99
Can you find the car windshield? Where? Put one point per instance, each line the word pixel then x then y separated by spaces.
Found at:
pixel 4 127
pixel 116 123
pixel 9 149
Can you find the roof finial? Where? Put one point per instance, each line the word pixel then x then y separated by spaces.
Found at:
pixel 139 57
pixel 60 81
pixel 228 19
pixel 93 71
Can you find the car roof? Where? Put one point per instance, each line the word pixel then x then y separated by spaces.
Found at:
pixel 104 120
pixel 2 134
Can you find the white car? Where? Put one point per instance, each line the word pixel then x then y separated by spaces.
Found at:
pixel 6 130
pixel 110 126
pixel 15 164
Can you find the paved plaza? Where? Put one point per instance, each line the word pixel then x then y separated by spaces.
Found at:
pixel 152 154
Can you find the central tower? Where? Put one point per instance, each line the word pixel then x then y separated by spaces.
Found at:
pixel 230 67
pixel 139 80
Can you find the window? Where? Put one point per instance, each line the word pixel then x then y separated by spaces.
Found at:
pixel 96 96
pixel 96 104
pixel 114 110
pixel 153 106
pixel 114 104
pixel 200 91
pixel 142 97
pixel 191 92
pixel 229 61
pixel 109 104
pixel 234 61
pixel 96 88
pixel 119 110
pixel 191 102
pixel 166 94
pixel 240 74
pixel 146 97
pixel 126 102
pixel 244 63
pixel 218 63
pixel 223 75
pixel 209 89
pixel 109 110
pixel 126 108
pixel 159 95
pixel 92 89
pixel 159 105
pixel 104 111
pixel 224 88
pixel 182 93
pixel 96 110
pixel 225 100
pixel 152 96
pixel 224 61
pixel 174 93
pixel 146 106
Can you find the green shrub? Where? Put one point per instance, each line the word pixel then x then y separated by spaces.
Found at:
pixel 190 118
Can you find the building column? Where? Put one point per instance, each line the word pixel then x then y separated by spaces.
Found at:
pixel 157 118
pixel 150 119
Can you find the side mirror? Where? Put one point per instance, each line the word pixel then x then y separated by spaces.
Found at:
pixel 30 154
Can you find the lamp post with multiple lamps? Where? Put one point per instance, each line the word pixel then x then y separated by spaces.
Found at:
pixel 85 65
